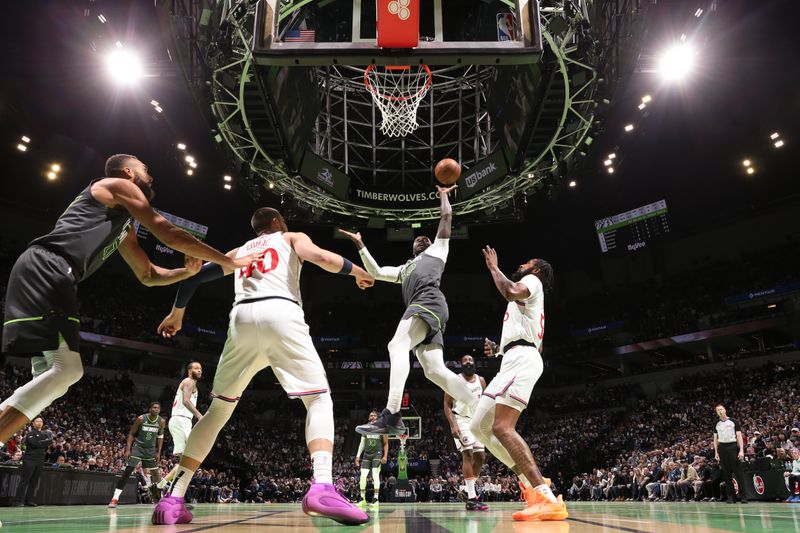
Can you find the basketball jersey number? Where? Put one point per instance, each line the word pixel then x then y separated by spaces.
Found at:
pixel 540 335
pixel 259 263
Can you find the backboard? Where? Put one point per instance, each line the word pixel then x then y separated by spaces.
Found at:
pixel 344 32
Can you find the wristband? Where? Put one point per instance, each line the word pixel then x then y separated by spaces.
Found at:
pixel 347 267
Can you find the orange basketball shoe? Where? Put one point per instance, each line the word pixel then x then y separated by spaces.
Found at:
pixel 542 510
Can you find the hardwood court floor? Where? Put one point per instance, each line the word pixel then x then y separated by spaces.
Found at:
pixel 418 518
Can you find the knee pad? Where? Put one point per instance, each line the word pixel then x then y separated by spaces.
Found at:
pixel 319 417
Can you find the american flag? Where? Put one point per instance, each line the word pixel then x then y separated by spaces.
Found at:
pixel 300 36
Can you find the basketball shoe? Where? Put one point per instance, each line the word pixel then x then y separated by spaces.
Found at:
pixel 323 499
pixel 171 510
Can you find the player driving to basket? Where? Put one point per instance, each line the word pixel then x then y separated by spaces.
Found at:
pixel 267 328
pixel 422 325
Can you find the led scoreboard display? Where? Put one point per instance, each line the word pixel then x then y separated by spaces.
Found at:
pixel 161 254
pixel 632 229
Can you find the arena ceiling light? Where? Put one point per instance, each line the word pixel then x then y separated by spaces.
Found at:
pixel 646 98
pixel 22 147
pixel 751 170
pixel 227 186
pixel 573 184
pixel 181 146
pixel 102 18
pixel 610 170
pixel 52 175
pixel 193 164
pixel 642 106
pixel 629 127
pixel 189 158
pixel 677 62
pixel 612 155
pixel 26 139
pixel 774 136
pixel 124 67
pixel 778 143
pixel 746 162
pixel 226 178
pixel 189 172
pixel 698 12
pixel 55 167
pixel 607 162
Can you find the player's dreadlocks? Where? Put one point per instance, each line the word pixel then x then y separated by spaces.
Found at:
pixel 545 274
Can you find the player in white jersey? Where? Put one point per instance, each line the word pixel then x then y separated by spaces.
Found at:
pixel 459 416
pixel 184 409
pixel 267 328
pixel 508 393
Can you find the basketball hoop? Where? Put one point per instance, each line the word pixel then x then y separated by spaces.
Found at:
pixel 397 91
pixel 403 439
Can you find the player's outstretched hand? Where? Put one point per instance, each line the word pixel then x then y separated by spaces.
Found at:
pixel 365 282
pixel 192 264
pixel 491 257
pixel 355 237
pixel 489 348
pixel 445 190
pixel 171 324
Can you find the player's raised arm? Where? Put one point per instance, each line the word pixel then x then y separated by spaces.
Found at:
pixel 306 250
pixel 124 193
pixel 446 210
pixel 173 322
pixel 386 273
pixel 152 275
pixel 512 291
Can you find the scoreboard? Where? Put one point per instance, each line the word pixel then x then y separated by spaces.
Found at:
pixel 632 230
pixel 161 254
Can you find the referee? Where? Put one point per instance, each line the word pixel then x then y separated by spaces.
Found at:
pixel 727 440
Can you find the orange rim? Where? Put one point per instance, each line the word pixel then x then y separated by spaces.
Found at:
pixel 374 91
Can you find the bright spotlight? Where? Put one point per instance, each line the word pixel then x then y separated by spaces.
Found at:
pixel 629 127
pixel 646 98
pixel 746 162
pixel 607 162
pixel 22 147
pixel 124 67
pixel 698 12
pixel 751 170
pixel 181 146
pixel 159 109
pixel 51 175
pixel 188 158
pixel 778 144
pixel 227 178
pixel 773 136
pixel 26 139
pixel 189 172
pixel 102 18
pixel 153 103
pixel 271 185
pixel 677 62
pixel 227 186
pixel 612 155
pixel 55 167
pixel 610 170
pixel 642 105
pixel 573 184
pixel 193 164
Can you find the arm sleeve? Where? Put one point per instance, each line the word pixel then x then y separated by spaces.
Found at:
pixel 439 249
pixel 186 288
pixel 390 274
pixel 361 446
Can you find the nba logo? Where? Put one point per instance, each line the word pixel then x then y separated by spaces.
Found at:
pixel 506 27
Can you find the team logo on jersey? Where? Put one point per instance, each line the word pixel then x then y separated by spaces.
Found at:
pixel 758 484
pixel 400 8
pixel 408 270
pixel 109 250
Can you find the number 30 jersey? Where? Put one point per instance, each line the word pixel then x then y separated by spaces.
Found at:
pixel 275 273
pixel 524 319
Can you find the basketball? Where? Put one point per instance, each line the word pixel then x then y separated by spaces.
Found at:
pixel 447 171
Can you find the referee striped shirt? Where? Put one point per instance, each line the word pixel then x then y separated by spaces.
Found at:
pixel 726 431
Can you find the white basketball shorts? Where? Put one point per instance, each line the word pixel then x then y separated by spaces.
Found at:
pixel 468 441
pixel 269 333
pixel 179 429
pixel 521 368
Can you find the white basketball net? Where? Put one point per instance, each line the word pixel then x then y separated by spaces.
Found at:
pixel 397 91
pixel 403 439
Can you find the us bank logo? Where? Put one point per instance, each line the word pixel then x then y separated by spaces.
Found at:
pixel 473 179
pixel 326 176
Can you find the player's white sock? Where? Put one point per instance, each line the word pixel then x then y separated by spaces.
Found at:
pixel 117 493
pixel 524 481
pixel 376 481
pixel 544 489
pixel 362 483
pixel 323 468
pixel 182 480
pixel 470 482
